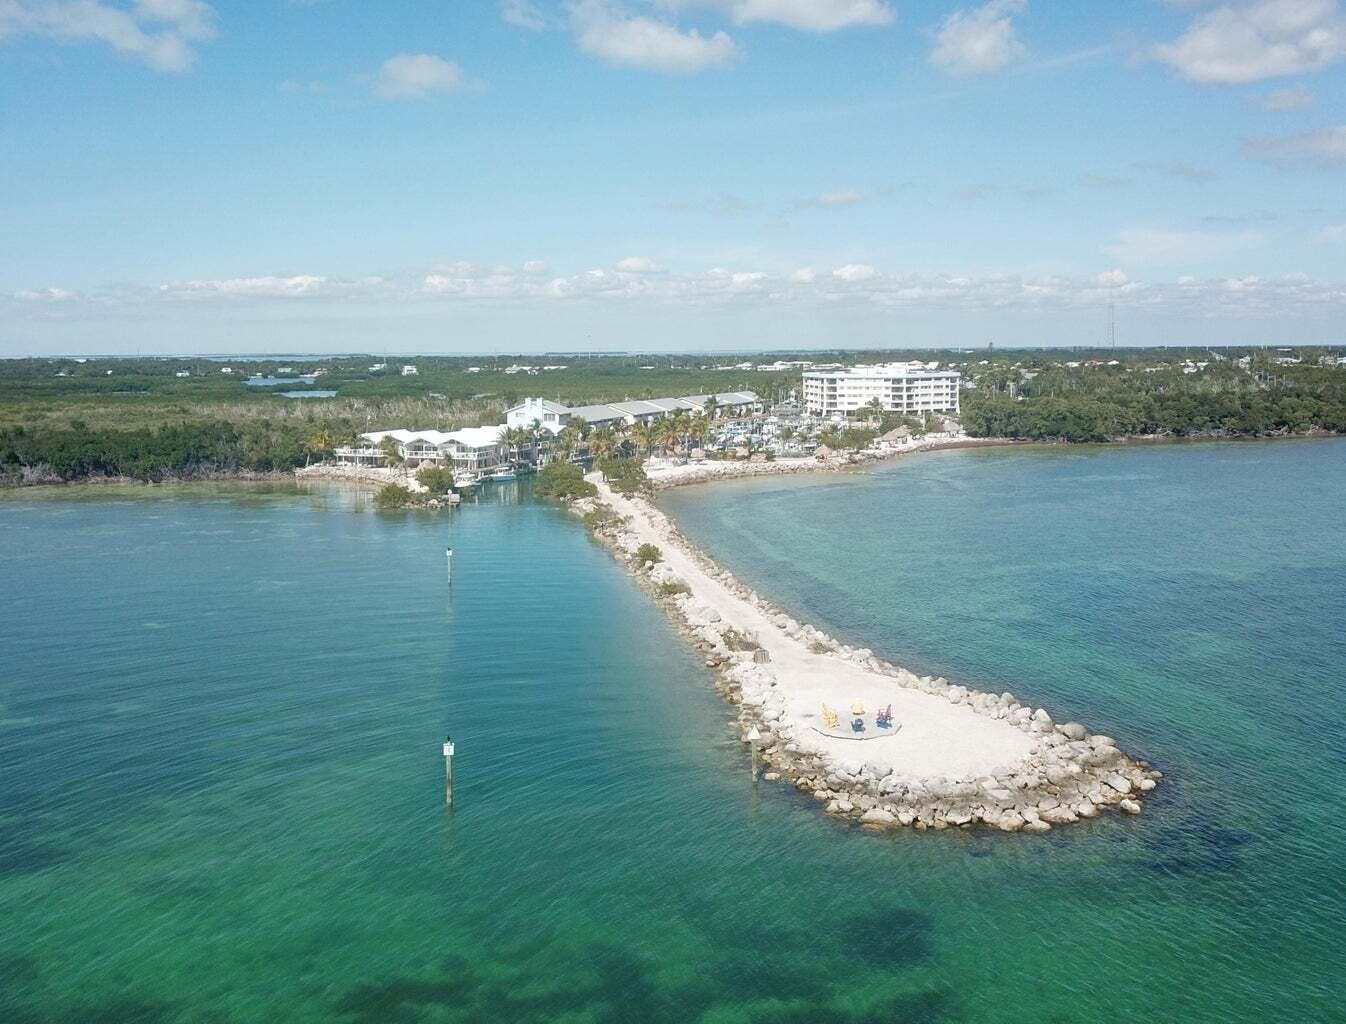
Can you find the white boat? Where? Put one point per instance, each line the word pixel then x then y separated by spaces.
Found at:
pixel 463 480
pixel 504 473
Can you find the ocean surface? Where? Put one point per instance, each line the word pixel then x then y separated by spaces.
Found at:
pixel 221 789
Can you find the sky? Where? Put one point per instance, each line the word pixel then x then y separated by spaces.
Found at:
pixel 470 176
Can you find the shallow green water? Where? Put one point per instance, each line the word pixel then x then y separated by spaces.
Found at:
pixel 221 795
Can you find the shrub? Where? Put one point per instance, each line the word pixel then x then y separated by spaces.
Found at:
pixel 436 479
pixel 394 496
pixel 736 641
pixel 563 481
pixel 673 588
pixel 649 553
pixel 625 476
pixel 600 518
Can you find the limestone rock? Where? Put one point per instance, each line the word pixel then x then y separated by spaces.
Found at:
pixel 1119 783
pixel 1074 731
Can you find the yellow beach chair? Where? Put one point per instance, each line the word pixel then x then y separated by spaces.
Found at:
pixel 830 718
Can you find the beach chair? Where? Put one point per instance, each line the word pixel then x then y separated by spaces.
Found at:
pixel 830 719
pixel 885 718
pixel 857 725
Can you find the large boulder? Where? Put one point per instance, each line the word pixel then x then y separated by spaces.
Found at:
pixel 1074 731
pixel 1119 782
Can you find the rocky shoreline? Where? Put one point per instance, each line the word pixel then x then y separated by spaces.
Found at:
pixel 1067 775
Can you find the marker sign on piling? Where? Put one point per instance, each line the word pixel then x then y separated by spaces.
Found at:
pixel 448 770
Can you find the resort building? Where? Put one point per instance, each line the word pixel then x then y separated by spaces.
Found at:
pixel 899 387
pixel 727 403
pixel 473 450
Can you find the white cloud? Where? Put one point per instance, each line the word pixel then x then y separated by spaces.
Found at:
pixel 978 41
pixel 804 15
pixel 1252 41
pixel 1326 148
pixel 606 31
pixel 855 272
pixel 1105 181
pixel 1296 98
pixel 1333 233
pixel 412 75
pixel 161 33
pixel 685 298
pixel 45 295
pixel 312 88
pixel 1153 247
pixel 848 197
pixel 266 286
pixel 1178 169
pixel 639 265
pixel 523 14
pixel 534 267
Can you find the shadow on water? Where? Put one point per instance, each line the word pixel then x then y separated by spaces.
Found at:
pixel 889 937
pixel 20 855
pixel 1200 849
pixel 610 985
pixel 113 1011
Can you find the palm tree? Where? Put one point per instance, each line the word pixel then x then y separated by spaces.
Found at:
pixel 567 441
pixel 515 437
pixel 666 433
pixel 683 424
pixel 875 408
pixel 712 406
pixel 698 430
pixel 602 442
pixel 391 454
pixel 319 443
pixel 642 437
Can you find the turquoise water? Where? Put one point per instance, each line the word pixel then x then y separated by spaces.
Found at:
pixel 221 790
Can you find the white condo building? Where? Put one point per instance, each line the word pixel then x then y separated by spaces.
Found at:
pixel 899 387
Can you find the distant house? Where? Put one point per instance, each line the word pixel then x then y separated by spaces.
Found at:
pixel 409 370
pixel 183 373
pixel 226 369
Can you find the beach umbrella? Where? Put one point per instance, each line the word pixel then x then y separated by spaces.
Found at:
pixel 858 708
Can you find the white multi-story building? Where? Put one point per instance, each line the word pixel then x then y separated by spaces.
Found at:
pixel 471 450
pixel 899 387
pixel 552 416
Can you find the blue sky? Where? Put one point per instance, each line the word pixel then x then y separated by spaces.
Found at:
pixel 682 174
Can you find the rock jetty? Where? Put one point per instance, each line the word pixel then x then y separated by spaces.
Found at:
pixel 958 758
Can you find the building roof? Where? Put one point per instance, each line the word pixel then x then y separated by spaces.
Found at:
pixel 471 437
pixel 547 404
pixel 597 413
pixel 725 398
pixel 476 437
pixel 880 371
